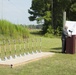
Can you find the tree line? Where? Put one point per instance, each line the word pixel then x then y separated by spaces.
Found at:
pixel 50 14
pixel 34 26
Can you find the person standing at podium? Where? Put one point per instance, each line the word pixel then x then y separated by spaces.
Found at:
pixel 64 36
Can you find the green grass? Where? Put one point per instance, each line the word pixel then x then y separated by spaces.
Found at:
pixel 59 64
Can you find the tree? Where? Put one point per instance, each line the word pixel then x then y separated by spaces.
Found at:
pixel 59 6
pixel 70 7
pixel 40 10
pixel 51 12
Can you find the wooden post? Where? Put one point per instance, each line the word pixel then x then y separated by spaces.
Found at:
pixel 24 44
pixel 32 44
pixel 40 44
pixel 9 46
pixel 15 46
pixel 4 47
pixel 20 44
pixel 0 50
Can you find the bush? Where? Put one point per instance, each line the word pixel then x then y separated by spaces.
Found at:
pixel 49 35
pixel 50 32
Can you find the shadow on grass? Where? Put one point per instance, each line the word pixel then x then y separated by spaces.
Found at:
pixel 56 50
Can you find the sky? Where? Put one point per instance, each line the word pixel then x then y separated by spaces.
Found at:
pixel 16 11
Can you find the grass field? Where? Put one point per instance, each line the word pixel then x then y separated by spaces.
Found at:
pixel 59 64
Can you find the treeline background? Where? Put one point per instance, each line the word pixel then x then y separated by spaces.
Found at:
pixel 34 26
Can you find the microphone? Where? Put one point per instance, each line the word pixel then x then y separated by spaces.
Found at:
pixel 70 31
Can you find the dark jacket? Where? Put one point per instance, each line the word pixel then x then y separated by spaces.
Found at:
pixel 64 34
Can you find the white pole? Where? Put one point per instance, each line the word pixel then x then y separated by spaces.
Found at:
pixel 64 18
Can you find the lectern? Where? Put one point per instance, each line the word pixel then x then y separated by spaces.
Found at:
pixel 71 45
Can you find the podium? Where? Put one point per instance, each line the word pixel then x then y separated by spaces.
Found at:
pixel 71 45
